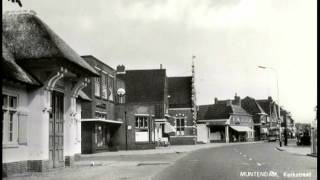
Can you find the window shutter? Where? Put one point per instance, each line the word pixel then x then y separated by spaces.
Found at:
pixel 22 128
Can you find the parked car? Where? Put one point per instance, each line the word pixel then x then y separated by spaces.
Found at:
pixel 272 138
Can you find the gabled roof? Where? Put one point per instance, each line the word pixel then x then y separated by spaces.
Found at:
pixel 11 70
pixel 214 111
pixel 238 110
pixel 265 104
pixel 180 91
pixel 30 38
pixel 145 85
pixel 251 106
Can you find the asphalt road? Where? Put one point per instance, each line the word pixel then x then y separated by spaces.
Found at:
pixel 251 161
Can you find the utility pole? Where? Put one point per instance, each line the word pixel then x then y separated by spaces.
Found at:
pixel 279 117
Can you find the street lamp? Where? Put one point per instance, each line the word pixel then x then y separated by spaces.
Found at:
pixel 279 121
pixel 121 93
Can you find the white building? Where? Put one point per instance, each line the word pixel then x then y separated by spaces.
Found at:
pixel 42 77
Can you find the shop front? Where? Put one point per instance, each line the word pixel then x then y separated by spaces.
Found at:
pixel 241 134
pixel 99 135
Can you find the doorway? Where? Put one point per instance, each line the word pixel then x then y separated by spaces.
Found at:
pixel 56 130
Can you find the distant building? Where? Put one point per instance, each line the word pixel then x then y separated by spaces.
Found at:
pixel 251 106
pixel 42 78
pixel 100 125
pixel 270 108
pixel 224 121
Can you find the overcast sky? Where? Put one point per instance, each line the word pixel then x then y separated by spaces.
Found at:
pixel 229 38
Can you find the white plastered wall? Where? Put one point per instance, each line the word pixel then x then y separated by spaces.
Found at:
pixel 72 124
pixel 31 103
pixel 202 133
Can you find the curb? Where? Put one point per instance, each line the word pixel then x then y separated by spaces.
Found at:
pixel 279 149
pixel 313 155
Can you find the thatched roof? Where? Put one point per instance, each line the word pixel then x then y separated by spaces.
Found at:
pixel 11 70
pixel 29 38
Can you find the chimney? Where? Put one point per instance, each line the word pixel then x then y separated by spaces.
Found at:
pixel 237 100
pixel 216 100
pixel 160 66
pixel 121 69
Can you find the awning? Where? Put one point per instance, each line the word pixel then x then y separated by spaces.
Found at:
pixel 101 120
pixel 160 120
pixel 216 123
pixel 168 128
pixel 241 128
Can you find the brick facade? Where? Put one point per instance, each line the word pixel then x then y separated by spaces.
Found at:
pixel 22 167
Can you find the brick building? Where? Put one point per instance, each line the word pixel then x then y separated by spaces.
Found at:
pixel 181 110
pixel 146 107
pixel 100 126
pixel 42 78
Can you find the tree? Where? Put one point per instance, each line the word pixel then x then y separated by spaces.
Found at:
pixel 16 1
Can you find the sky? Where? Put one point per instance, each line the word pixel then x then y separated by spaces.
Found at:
pixel 229 39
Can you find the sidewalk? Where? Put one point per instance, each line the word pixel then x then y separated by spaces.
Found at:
pixel 164 150
pixel 293 148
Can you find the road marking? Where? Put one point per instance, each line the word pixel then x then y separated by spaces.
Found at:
pixel 258 164
pixel 240 152
pixel 250 159
pixel 244 155
pixel 246 164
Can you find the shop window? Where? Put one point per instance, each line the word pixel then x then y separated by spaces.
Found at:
pixel 142 129
pixel 180 126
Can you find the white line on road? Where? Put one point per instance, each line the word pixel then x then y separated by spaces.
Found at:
pixel 244 155
pixel 250 159
pixel 258 164
pixel 240 152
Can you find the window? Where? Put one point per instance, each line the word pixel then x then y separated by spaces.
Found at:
pixel 110 88
pixel 142 122
pixel 263 119
pixel 104 86
pixel 97 86
pixel 142 133
pixel 10 119
pixel 180 125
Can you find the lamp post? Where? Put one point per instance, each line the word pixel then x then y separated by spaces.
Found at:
pixel 279 120
pixel 121 93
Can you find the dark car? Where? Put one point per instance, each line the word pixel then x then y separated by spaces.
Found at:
pixel 303 139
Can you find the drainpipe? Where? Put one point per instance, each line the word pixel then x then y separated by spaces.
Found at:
pixel 126 126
